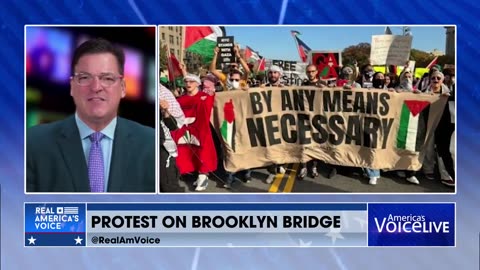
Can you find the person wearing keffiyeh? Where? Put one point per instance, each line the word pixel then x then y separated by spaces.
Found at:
pixel 171 118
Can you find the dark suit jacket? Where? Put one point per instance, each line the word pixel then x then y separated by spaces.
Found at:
pixel 56 162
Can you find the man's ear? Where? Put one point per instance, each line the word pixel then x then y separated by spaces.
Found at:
pixel 124 88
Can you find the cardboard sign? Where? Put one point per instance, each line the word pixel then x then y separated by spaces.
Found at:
pixel 227 53
pixel 327 63
pixel 390 50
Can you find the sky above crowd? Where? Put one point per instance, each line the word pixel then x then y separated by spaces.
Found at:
pixel 276 42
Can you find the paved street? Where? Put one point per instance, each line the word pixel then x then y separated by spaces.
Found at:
pixel 347 180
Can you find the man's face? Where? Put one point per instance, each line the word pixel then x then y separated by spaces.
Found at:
pixel 448 79
pixel 191 86
pixel 97 87
pixel 273 76
pixel 312 73
pixel 235 80
pixel 436 80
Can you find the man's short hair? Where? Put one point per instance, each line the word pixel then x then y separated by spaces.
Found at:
pixel 98 45
pixel 312 65
pixel 449 72
pixel 235 71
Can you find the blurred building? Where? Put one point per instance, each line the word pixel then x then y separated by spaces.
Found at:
pixel 450 44
pixel 173 37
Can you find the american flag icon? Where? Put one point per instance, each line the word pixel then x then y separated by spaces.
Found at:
pixel 70 210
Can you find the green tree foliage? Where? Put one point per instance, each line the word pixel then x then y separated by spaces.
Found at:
pixel 445 59
pixel 359 53
pixel 421 58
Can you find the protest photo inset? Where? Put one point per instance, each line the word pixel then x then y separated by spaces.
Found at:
pixel 285 110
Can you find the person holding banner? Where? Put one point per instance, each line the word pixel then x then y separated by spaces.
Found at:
pixel 378 82
pixel 196 150
pixel 425 80
pixel 313 80
pixel 406 85
pixel 347 77
pixel 274 74
pixel 445 128
pixel 392 81
pixel 234 83
pixel 366 76
pixel 405 81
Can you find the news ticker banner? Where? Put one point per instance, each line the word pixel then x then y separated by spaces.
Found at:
pixel 239 224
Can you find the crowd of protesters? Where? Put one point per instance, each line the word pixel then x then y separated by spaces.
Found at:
pixel 185 121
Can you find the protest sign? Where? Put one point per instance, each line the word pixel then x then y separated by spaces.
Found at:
pixel 390 50
pixel 293 71
pixel 327 63
pixel 227 53
pixel 360 128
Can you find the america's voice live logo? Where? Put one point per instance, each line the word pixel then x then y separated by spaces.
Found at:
pixel 411 224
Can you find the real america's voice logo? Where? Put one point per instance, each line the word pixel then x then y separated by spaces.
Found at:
pixel 55 218
pixel 55 224
pixel 411 224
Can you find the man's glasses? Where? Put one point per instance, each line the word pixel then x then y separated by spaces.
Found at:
pixel 235 80
pixel 435 78
pixel 86 79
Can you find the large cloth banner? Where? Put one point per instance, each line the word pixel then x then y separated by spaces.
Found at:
pixel 361 128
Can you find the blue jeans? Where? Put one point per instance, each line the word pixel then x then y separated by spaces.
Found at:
pixel 372 172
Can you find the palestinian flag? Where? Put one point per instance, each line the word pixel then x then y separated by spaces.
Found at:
pixel 174 70
pixel 413 125
pixel 228 126
pixel 251 55
pixel 261 65
pixel 303 49
pixel 433 63
pixel 202 40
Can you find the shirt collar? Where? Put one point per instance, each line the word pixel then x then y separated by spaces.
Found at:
pixel 85 131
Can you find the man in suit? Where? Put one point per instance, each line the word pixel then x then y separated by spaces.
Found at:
pixel 93 150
